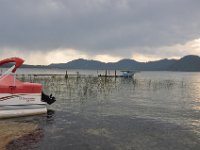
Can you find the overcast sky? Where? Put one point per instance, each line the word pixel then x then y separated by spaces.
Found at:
pixel 54 31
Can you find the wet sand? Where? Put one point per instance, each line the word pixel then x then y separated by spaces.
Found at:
pixel 10 131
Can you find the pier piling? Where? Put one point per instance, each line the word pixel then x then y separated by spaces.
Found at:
pixel 66 75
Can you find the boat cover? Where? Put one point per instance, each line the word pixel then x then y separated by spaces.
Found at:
pixel 8 84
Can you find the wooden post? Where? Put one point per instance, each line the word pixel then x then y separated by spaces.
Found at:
pixel 115 73
pixel 66 75
pixel 77 73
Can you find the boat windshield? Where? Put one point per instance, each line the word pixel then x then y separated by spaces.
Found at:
pixel 8 72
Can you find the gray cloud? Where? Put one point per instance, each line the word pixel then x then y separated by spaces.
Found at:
pixel 98 26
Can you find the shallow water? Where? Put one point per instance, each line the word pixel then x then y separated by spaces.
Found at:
pixel 154 110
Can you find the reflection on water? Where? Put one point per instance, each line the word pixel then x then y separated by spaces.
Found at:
pixel 154 110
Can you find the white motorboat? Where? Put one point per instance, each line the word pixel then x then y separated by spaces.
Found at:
pixel 127 73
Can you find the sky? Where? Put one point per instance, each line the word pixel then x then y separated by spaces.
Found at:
pixel 58 31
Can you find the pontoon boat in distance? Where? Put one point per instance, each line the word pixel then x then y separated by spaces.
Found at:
pixel 20 98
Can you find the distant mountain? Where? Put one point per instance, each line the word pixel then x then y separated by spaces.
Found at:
pixel 80 64
pixel 187 63
pixel 127 64
pixel 120 65
pixel 160 65
pixel 92 64
pixel 25 66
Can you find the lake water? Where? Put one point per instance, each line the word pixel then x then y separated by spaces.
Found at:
pixel 152 111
